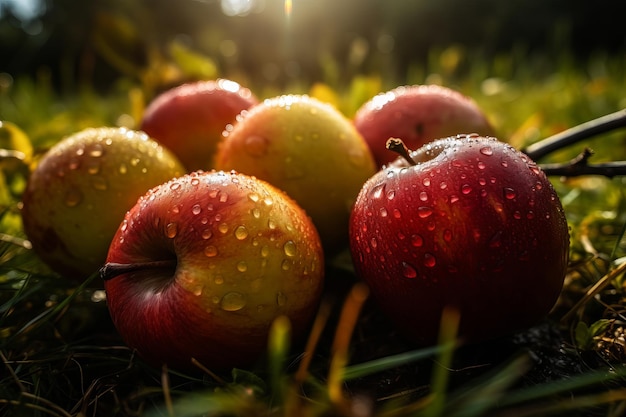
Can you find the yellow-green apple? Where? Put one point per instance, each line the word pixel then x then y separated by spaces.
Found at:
pixel 78 193
pixel 417 114
pixel 308 149
pixel 471 224
pixel 202 265
pixel 189 119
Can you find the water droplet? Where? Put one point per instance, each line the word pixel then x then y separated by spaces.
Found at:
pixel 429 260
pixel 265 251
pixel 426 182
pixel 196 209
pixel 496 240
pixel 383 212
pixel 96 151
pixel 417 240
pixel 454 198
pixel 174 186
pixel 423 196
pixel 268 201
pixel 397 213
pixel 242 266
pixel 289 248
pixel 223 197
pixel 424 212
pixel 530 215
pixel 210 251
pixel 285 265
pixel 481 165
pixel 504 164
pixel 271 223
pixel 206 234
pixel 256 146
pixel 93 168
pixel 73 197
pixel 509 193
pixel 256 213
pixel 408 270
pixel 253 197
pixel 281 299
pixel 123 169
pixel 517 214
pixel 447 235
pixel 378 190
pixel 391 194
pixel 476 234
pixel 218 280
pixel 241 232
pixel 486 150
pixel 466 189
pixel 373 242
pixel 223 228
pixel 198 290
pixel 443 185
pixel 233 301
pixel 171 230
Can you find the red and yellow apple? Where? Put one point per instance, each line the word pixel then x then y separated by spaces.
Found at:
pixel 308 149
pixel 417 114
pixel 78 193
pixel 202 265
pixel 189 119
pixel 471 224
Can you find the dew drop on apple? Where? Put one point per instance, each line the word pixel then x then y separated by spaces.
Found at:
pixel 281 299
pixel 223 228
pixel 99 183
pixel 383 212
pixel 391 194
pixel 241 232
pixel 286 265
pixel 509 193
pixel 73 197
pixel 429 260
pixel 196 209
pixel 218 280
pixel 466 189
pixel 486 150
pixel 233 301
pixel 496 240
pixel 206 234
pixel 424 212
pixel 96 151
pixel 289 248
pixel 242 266
pixel 256 146
pixel 408 270
pixel 254 197
pixel 210 251
pixel 265 251
pixel 417 240
pixel 256 213
pixel 377 191
pixel 171 230
pixel 447 235
pixel 423 196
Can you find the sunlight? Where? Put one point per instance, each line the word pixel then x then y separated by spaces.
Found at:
pixel 288 8
pixel 240 7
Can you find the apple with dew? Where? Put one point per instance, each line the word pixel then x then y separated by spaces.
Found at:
pixel 189 119
pixel 202 265
pixel 308 149
pixel 79 191
pixel 417 114
pixel 472 224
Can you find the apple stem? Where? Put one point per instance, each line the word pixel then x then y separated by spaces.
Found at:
pixel 576 134
pixel 113 269
pixel 397 145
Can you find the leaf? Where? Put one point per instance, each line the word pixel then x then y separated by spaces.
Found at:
pixel 191 63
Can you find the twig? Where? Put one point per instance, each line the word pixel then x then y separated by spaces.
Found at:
pixel 580 166
pixel 576 134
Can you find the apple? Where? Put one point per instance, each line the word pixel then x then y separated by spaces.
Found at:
pixel 417 114
pixel 202 265
pixel 471 224
pixel 308 149
pixel 189 119
pixel 79 191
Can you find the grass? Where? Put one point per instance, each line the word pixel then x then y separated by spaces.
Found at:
pixel 62 357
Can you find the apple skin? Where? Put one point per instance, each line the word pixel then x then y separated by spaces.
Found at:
pixel 244 254
pixel 189 119
pixel 79 191
pixel 308 149
pixel 475 225
pixel 417 114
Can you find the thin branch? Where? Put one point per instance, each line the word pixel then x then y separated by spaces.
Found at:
pixel 580 166
pixel 576 134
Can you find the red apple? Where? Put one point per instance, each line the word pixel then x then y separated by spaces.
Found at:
pixel 203 264
pixel 81 188
pixel 417 114
pixel 475 225
pixel 189 119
